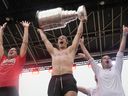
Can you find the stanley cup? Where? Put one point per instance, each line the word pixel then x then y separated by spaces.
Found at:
pixel 58 18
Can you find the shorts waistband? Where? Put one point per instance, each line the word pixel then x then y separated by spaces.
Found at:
pixel 67 74
pixel 8 87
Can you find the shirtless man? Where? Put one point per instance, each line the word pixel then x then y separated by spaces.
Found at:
pixel 62 82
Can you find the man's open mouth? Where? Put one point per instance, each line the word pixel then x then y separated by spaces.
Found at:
pixel 61 42
pixel 107 62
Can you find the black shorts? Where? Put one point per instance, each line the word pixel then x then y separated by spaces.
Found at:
pixel 60 84
pixel 8 91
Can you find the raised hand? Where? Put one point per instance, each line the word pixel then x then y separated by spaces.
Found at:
pixel 82 14
pixel 3 26
pixel 25 23
pixel 125 29
pixel 39 30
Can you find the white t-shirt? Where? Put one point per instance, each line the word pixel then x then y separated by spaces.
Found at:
pixel 109 80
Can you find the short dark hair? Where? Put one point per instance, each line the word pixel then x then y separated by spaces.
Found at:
pixel 105 55
pixel 65 37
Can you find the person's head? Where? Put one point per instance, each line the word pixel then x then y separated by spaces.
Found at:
pixel 12 53
pixel 62 42
pixel 106 62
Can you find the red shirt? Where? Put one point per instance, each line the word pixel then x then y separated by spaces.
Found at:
pixel 10 70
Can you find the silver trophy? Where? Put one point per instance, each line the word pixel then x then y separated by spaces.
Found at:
pixel 58 18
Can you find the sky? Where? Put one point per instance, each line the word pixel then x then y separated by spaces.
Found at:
pixel 37 84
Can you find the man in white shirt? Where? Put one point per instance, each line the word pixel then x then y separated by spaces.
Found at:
pixel 109 76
